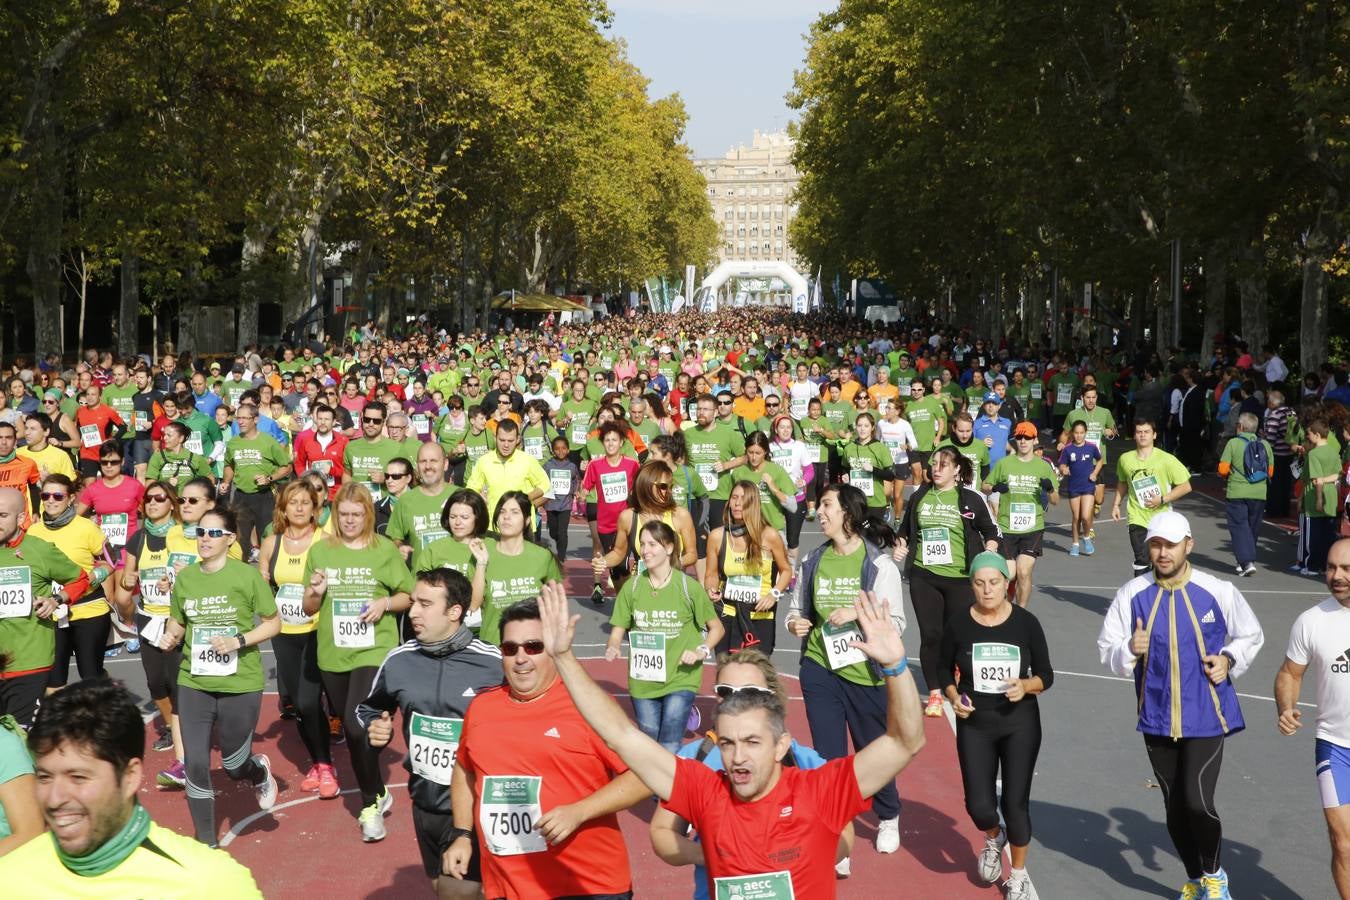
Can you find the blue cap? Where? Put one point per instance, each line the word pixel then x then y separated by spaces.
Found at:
pixel 991 397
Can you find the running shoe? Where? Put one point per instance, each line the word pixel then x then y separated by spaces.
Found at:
pixel 1215 887
pixel 1092 532
pixel 811 517
pixel 1073 549
pixel 265 790
pixel 372 818
pixel 844 867
pixel 598 595
pixel 336 733
pixel 133 645
pixel 1019 887
pixel 991 857
pixel 1249 570
pixel 1239 569
pixel 934 707
pixel 310 783
pixel 328 782
pixel 175 776
pixel 163 741
pixel 1310 573
pixel 1191 890
pixel 290 712
pixel 1088 548
pixel 113 652
pixel 888 835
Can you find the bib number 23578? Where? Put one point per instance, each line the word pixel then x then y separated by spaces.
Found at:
pixel 508 813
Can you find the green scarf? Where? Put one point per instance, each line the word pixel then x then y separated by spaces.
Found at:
pixel 157 530
pixel 5 459
pixel 113 852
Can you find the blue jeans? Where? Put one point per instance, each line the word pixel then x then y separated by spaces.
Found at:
pixel 663 719
pixel 1244 522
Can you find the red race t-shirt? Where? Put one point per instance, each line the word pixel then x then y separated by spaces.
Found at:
pixel 96 425
pixel 505 745
pixel 794 829
pixel 612 485
pixel 115 508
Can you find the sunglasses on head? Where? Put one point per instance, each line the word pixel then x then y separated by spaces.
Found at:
pixel 531 648
pixel 53 495
pixel 723 691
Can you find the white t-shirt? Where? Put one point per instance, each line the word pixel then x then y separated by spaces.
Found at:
pixel 1320 640
pixel 899 438
pixel 794 456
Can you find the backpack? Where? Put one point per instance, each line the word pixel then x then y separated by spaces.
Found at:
pixel 1255 460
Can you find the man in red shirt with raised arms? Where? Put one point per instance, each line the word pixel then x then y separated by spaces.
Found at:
pixel 774 829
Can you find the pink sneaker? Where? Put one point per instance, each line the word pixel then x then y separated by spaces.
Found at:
pixel 328 783
pixel 311 782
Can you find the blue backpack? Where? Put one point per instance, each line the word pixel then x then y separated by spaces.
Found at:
pixel 1255 462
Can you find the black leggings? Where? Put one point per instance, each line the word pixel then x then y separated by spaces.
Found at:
pixel 820 476
pixel 345 690
pixel 1188 772
pixel 297 657
pixel 936 598
pixel 233 716
pixel 87 639
pixel 794 525
pixel 1000 743
pixel 161 669
pixel 558 520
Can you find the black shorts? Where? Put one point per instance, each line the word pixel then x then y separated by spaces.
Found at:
pixel 901 471
pixel 1029 544
pixel 607 544
pixel 921 457
pixel 433 837
pixel 141 451
pixel 592 511
pixel 89 468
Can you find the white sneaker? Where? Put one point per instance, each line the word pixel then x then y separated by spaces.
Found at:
pixel 888 835
pixel 1249 570
pixel 266 792
pixel 844 867
pixel 1020 888
pixel 372 818
pixel 991 857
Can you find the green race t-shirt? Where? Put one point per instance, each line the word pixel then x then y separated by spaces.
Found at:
pixel 26 573
pixel 355 579
pixel 677 613
pixel 772 510
pixel 1097 421
pixel 1019 508
pixel 713 445
pixel 924 417
pixel 686 486
pixel 976 452
pixel 416 518
pixel 221 603
pixel 941 534
pixel 1062 388
pixel 838 581
pixel 1321 462
pixel 449 553
pixel 855 457
pixel 513 578
pixel 251 457
pixel 364 457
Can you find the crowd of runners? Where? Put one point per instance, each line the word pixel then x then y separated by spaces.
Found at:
pixel 391 515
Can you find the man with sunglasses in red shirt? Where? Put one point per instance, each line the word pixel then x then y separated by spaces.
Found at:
pixel 535 786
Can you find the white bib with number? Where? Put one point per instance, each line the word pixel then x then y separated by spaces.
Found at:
pixel 291 603
pixel 993 665
pixel 561 480
pixel 1021 517
pixel 534 446
pixel 194 444
pixel 1146 488
pixel 433 742
pixel 421 425
pixel 770 886
pixel 16 592
pixel 349 632
pixel 707 475
pixel 114 527
pixel 579 432
pixel 507 813
pixel 614 487
pixel 936 546
pixel 91 435
pixel 151 595
pixel 837 649
pixel 1063 394
pixel 862 480
pixel 206 660
pixel 743 589
pixel 647 656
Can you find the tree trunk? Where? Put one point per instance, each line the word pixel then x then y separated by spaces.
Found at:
pixel 1252 288
pixel 251 284
pixel 1312 349
pixel 129 310
pixel 1216 294
pixel 44 248
pixel 82 273
pixel 1034 319
pixel 1163 308
pixel 190 302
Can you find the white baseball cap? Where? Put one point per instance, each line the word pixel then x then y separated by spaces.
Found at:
pixel 1170 526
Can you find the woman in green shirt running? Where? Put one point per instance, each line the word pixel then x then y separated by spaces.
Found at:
pixel 777 493
pixel 662 611
pixel 868 466
pixel 465 520
pixel 516 567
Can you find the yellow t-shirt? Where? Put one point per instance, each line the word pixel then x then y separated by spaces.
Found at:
pixel 50 460
pixel 289 574
pixel 82 541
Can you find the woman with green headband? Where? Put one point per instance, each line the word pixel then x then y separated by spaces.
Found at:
pixel 992 663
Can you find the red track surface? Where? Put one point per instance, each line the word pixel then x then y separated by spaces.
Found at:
pixel 308 847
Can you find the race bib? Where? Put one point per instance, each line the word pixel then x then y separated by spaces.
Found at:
pixel 507 813
pixel 742 589
pixel 782 454
pixel 894 445
pixel 421 425
pixel 820 452
pixel 433 742
pixel 561 480
pixel 349 632
pixel 151 595
pixel 291 603
pixel 1146 488
pixel 1094 434
pixel 1036 390
pixel 1021 517
pixel 772 886
pixel 430 537
pixel 1063 394
pixel 325 468
pixel 797 409
pixel 92 436
pixel 578 432
pixel 707 475
pixel 614 487
pixel 862 480
pixel 837 650
pixel 114 527
pixel 194 443
pixel 206 660
pixel 535 447
pixel 993 665
pixel 647 656
pixel 936 546
pixel 153 629
pixel 16 592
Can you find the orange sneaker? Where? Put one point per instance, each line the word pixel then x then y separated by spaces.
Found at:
pixel 311 782
pixel 328 783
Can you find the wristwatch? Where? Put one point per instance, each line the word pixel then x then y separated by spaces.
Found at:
pixel 705 650
pixel 243 641
pixel 776 594
pixel 457 833
pixel 1232 660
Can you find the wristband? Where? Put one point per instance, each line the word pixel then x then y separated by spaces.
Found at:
pixel 1232 660
pixel 898 669
pixel 243 641
pixel 457 833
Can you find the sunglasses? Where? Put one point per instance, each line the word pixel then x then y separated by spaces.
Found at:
pixel 53 495
pixel 397 474
pixel 370 421
pixel 193 501
pixel 723 691
pixel 472 383
pixel 109 462
pixel 49 402
pixel 723 402
pixel 214 533
pixel 531 648
pixel 156 498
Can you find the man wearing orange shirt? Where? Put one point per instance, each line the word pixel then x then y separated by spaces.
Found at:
pixel 18 472
pixel 97 422
pixel 883 393
pixel 750 404
pixel 535 786
pixel 848 385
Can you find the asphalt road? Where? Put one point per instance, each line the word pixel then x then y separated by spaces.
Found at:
pixel 1097 815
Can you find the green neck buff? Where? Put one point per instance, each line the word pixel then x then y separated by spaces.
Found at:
pixel 113 852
